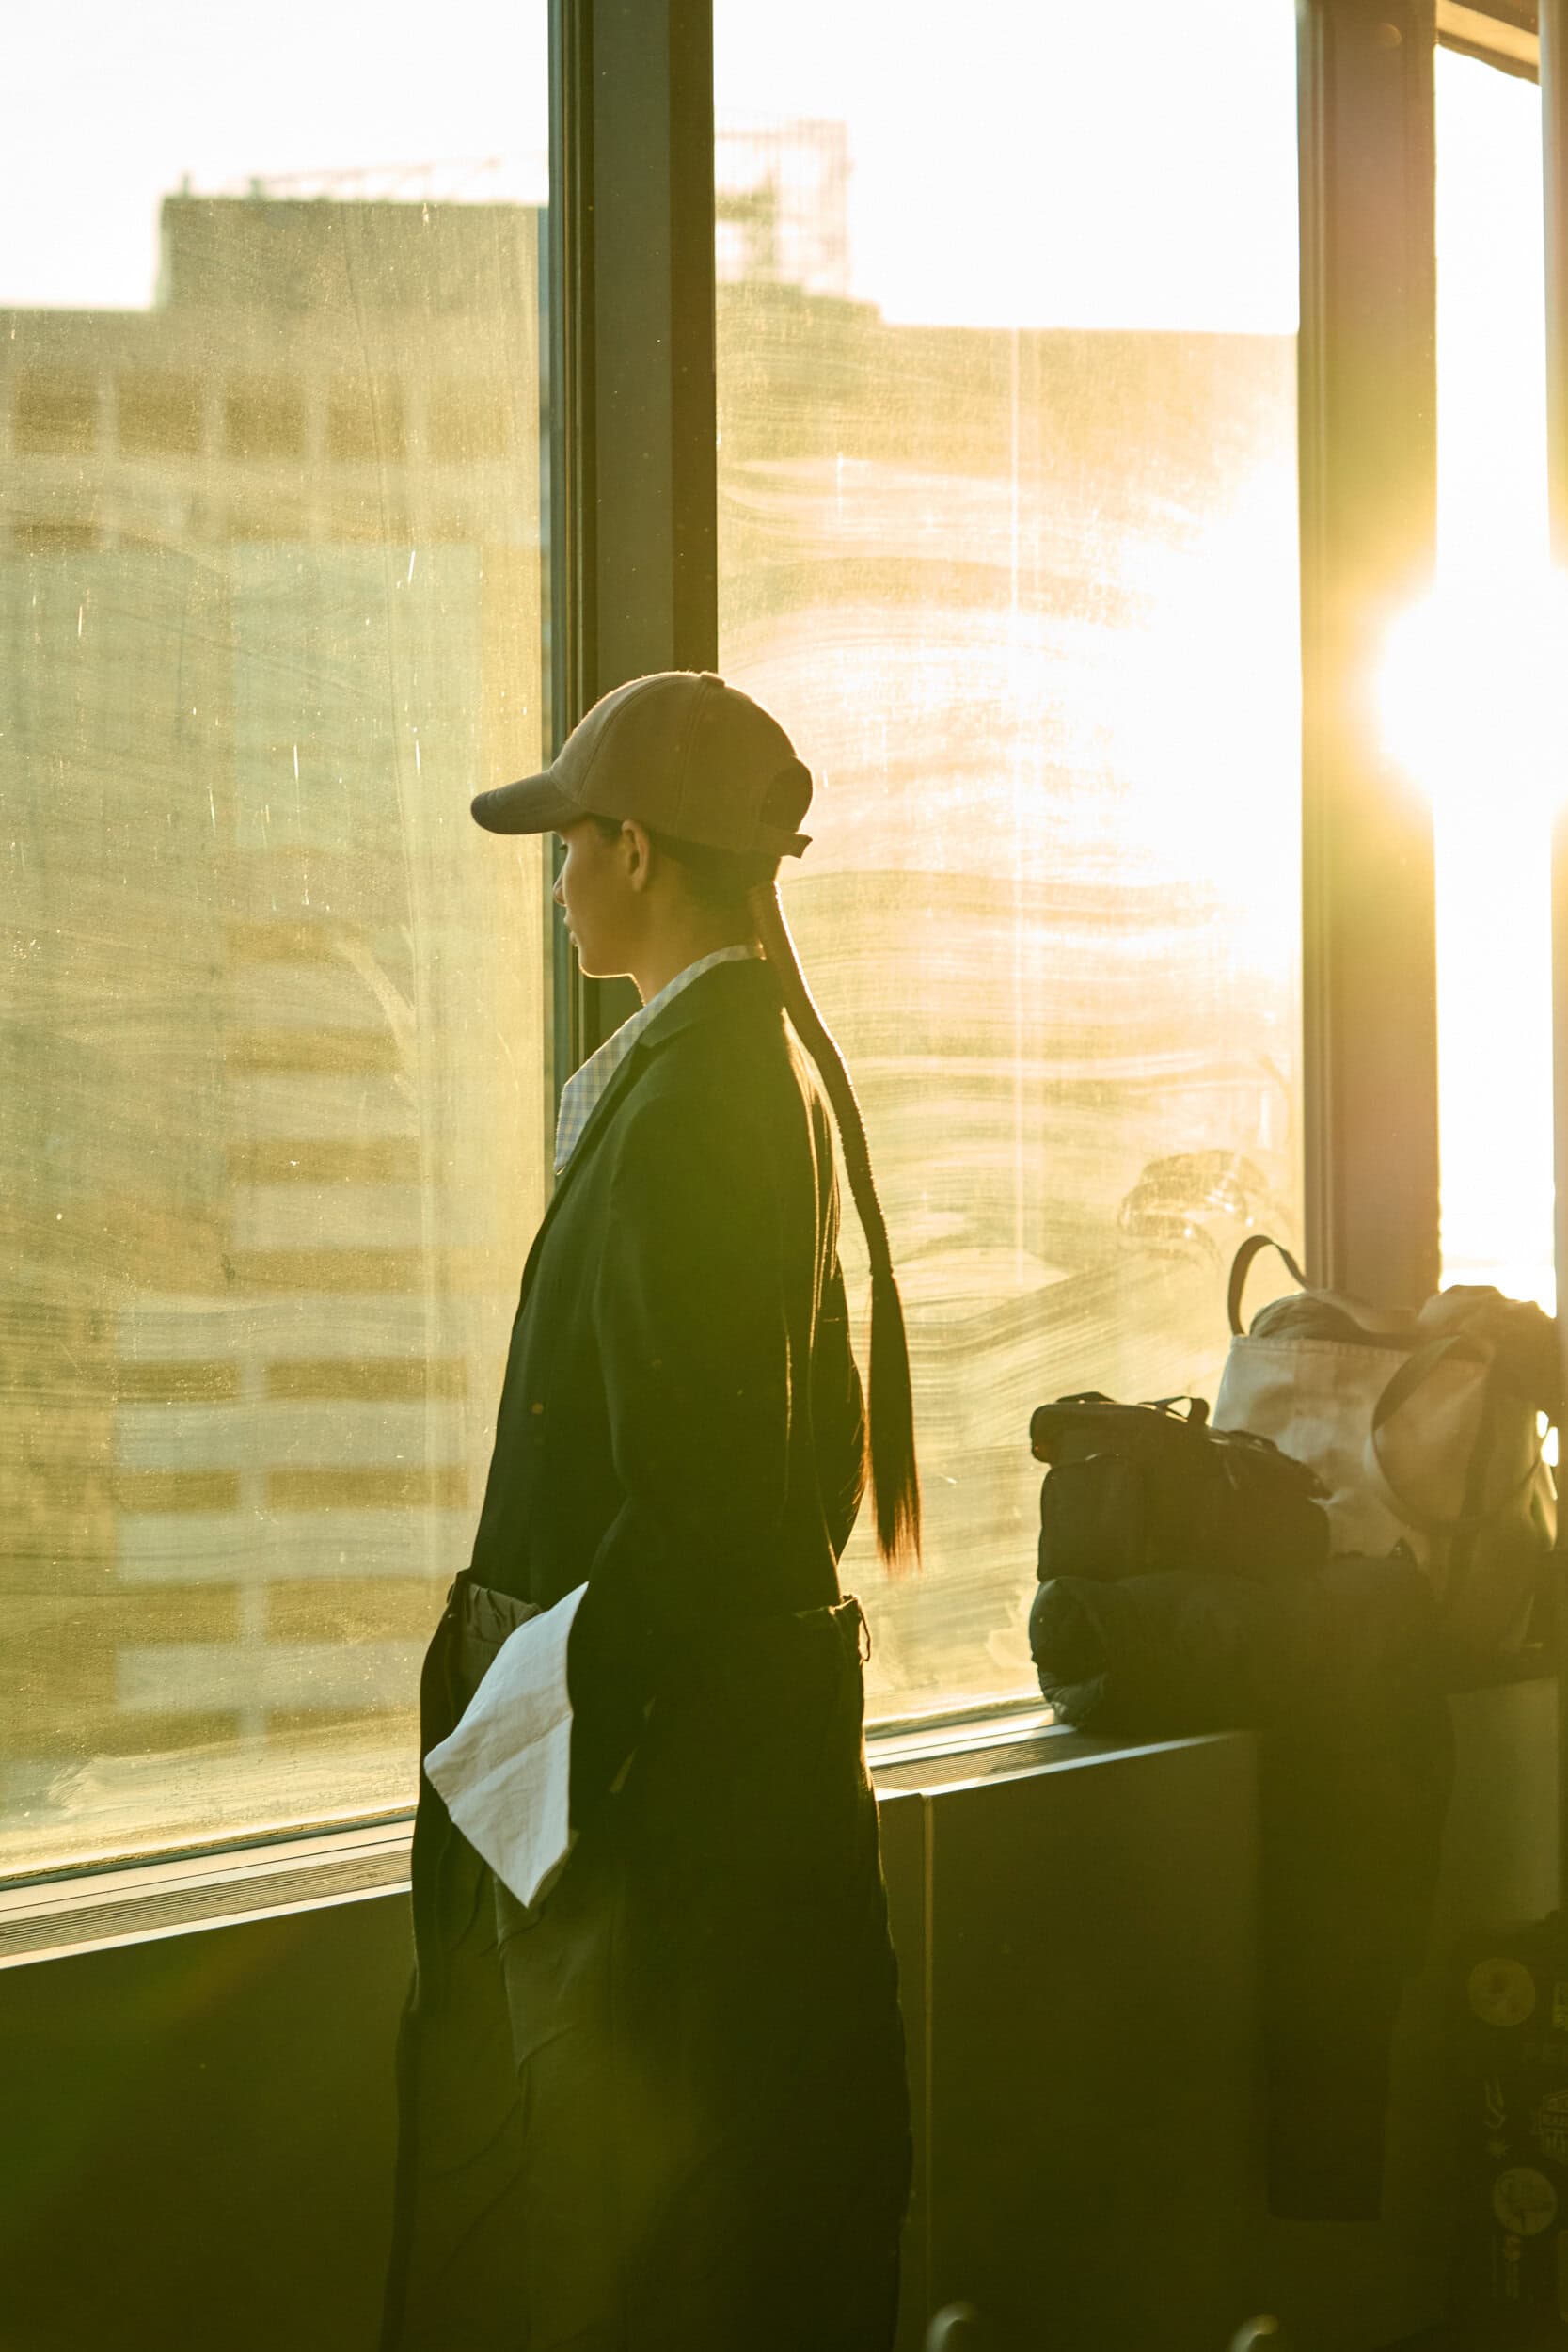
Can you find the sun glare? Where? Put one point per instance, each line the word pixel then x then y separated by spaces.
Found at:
pixel 1473 696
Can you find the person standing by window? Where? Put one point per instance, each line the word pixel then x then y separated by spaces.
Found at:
pixel 653 2095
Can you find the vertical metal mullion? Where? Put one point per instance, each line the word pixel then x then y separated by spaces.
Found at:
pixel 570 458
pixel 1554 157
pixel 1368 422
pixel 633 456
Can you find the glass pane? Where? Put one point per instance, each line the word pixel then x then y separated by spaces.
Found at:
pixel 1496 781
pixel 269 615
pixel 1007 500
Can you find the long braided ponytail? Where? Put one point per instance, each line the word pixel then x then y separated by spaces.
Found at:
pixel 890 1414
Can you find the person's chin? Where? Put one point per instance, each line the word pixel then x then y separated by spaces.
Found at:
pixel 596 964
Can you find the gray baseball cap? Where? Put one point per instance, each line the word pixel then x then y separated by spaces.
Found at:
pixel 683 754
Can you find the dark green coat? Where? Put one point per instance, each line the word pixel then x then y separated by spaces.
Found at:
pixel 680 1423
pixel 668 2109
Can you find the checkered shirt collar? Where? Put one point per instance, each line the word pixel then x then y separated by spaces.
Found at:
pixel 585 1089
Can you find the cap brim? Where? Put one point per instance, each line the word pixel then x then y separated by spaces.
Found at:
pixel 533 804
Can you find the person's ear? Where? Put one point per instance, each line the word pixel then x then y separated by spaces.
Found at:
pixel 636 853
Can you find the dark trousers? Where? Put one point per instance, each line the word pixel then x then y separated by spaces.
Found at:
pixel 666 2113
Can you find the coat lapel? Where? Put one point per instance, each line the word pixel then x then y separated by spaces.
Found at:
pixel 693 1004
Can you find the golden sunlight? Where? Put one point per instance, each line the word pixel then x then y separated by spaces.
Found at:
pixel 1471 695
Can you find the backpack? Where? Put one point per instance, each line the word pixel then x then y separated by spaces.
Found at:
pixel 1423 1428
pixel 1140 1490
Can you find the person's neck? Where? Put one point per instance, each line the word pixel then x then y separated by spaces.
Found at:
pixel 666 958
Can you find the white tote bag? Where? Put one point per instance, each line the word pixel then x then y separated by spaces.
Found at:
pixel 1419 1434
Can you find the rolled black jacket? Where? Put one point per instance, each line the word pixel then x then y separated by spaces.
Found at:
pixel 681 1421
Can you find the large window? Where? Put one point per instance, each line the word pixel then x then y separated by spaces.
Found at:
pixel 275 1031
pixel 1007 518
pixel 1007 478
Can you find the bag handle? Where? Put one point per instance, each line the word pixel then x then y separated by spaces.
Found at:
pixel 1242 1265
pixel 1412 1374
pixel 1196 1416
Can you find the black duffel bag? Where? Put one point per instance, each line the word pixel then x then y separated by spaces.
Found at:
pixel 1147 1489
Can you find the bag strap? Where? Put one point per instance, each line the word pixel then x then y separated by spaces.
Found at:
pixel 1412 1374
pixel 1196 1416
pixel 1240 1266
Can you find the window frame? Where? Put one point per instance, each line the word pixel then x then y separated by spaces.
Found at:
pixel 631 469
pixel 1368 520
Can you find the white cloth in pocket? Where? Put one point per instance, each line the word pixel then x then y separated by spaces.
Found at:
pixel 504 1773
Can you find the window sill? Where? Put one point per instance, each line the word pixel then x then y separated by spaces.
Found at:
pixel 141 1902
pixel 138 1902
